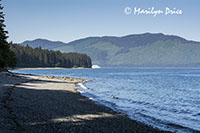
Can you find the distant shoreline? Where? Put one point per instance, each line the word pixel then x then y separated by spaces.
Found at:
pixel 139 68
pixel 39 68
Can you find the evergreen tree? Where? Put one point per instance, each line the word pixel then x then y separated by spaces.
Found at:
pixel 7 57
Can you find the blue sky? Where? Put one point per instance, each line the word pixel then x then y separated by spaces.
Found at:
pixel 68 20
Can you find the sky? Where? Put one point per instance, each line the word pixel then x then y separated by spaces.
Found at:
pixel 68 20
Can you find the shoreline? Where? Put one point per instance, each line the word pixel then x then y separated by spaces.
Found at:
pixel 136 68
pixel 45 68
pixel 49 103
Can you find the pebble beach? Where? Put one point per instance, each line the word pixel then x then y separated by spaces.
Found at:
pixel 32 103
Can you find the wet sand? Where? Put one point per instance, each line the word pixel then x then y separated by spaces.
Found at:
pixel 50 104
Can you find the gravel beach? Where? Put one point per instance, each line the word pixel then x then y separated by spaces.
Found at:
pixel 49 104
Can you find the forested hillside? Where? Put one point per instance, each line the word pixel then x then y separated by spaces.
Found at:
pixel 138 50
pixel 37 57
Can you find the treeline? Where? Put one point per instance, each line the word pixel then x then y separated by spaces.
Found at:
pixel 37 57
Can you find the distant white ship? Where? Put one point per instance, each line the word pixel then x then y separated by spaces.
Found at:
pixel 95 66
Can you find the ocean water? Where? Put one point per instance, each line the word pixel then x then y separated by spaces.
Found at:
pixel 168 99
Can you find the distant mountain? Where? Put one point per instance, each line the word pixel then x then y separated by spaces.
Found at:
pixel 45 44
pixel 139 50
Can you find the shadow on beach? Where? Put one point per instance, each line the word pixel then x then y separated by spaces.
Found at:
pixel 47 110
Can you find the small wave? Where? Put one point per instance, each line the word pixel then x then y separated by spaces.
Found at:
pixel 80 91
pixel 91 98
pixel 82 86
pixel 83 90
pixel 163 125
pixel 198 114
pixel 180 128
pixel 115 97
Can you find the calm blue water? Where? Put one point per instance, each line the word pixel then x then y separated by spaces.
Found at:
pixel 166 99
